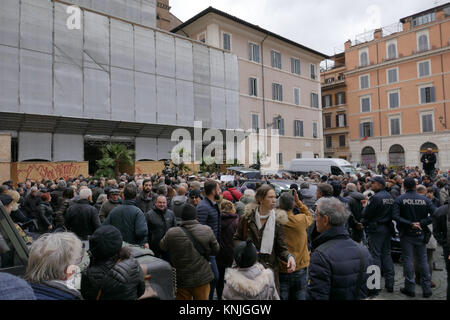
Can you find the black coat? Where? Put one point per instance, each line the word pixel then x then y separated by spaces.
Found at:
pixel 45 217
pixel 118 281
pixel 229 222
pixel 158 222
pixel 82 219
pixel 431 161
pixel 31 206
pixel 334 270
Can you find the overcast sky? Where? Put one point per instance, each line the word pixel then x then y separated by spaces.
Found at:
pixel 323 25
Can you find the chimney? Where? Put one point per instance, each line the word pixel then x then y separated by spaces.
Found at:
pixel 406 25
pixel 378 34
pixel 347 44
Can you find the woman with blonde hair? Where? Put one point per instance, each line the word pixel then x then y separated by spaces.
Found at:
pixel 52 265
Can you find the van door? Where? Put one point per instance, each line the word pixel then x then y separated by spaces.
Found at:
pixel 336 171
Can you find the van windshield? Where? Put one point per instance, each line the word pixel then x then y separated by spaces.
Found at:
pixel 349 169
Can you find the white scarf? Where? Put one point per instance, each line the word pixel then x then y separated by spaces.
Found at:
pixel 269 231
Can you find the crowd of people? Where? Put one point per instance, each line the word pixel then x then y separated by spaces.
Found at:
pixel 227 241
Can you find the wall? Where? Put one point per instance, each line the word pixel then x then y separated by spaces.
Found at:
pixel 20 171
pixel 5 157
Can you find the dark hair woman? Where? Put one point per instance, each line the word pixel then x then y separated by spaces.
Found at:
pixel 45 214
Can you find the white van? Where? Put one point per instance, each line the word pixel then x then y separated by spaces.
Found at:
pixel 325 165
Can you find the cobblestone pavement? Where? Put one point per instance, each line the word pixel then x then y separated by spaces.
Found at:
pixel 438 277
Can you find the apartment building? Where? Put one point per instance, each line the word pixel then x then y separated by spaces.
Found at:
pixel 278 81
pixel 334 106
pixel 398 89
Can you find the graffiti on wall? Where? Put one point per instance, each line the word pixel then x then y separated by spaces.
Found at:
pixel 51 170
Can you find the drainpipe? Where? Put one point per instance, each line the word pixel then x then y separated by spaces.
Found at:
pixel 263 90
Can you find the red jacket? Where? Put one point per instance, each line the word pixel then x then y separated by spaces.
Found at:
pixel 227 194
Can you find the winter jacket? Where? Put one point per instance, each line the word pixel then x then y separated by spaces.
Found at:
pixel 254 283
pixel 441 226
pixel 31 206
pixel 106 209
pixel 444 194
pixel 60 214
pixel 355 205
pixel 231 194
pixel 56 195
pixel 158 222
pixel 431 161
pixel 229 222
pixel 118 281
pixel 336 266
pixel 192 269
pixel 96 193
pixel 208 214
pixel 396 191
pixel 280 250
pixel 144 202
pixel 130 221
pixel 412 207
pixel 294 227
pixel 54 290
pixel 82 219
pixel 45 217
pixel 240 205
pixel 178 202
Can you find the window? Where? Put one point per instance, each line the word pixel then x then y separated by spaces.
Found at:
pixel 392 75
pixel 391 47
pixel 364 57
pixel 315 130
pixel 422 41
pixel 364 82
pixel 298 155
pixel 297 96
pixel 327 121
pixel 427 94
pixel 276 59
pixel 394 126
pixel 340 98
pixel 427 122
pixel 279 158
pixel 341 120
pixel 313 71
pixel 423 68
pixel 253 52
pixel 253 87
pixel 314 100
pixel 295 66
pixel 327 101
pixel 202 37
pixel 366 129
pixel 426 18
pixel 277 92
pixel 255 122
pixel 329 143
pixel 298 128
pixel 278 123
pixel 394 99
pixel 365 104
pixel 226 38
pixel 342 141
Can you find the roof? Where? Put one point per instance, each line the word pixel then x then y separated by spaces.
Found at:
pixel 438 8
pixel 245 23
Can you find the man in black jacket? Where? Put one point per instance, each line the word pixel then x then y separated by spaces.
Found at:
pixel 355 199
pixel 429 160
pixel 413 213
pixel 159 220
pixel 377 219
pixel 82 218
pixel 441 231
pixel 146 199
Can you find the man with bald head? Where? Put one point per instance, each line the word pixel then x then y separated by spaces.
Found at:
pixel 159 220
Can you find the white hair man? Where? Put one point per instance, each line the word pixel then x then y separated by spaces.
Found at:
pixel 53 260
pixel 81 217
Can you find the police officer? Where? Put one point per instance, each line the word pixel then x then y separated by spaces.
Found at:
pixel 377 220
pixel 413 214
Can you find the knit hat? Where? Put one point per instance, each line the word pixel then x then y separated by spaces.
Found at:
pixel 245 254
pixel 6 199
pixel 188 212
pixel 194 193
pixel 105 242
pixel 14 288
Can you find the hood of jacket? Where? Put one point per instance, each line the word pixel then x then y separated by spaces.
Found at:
pixel 282 216
pixel 237 279
pixel 179 200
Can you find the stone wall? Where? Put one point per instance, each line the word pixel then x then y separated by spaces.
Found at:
pixel 5 157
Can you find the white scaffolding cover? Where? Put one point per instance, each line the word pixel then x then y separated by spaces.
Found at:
pixel 36 25
pixel 122 44
pixel 122 95
pixel 166 101
pixel 185 103
pixel 9 23
pixel 35 145
pixel 146 149
pixel 62 153
pixel 9 79
pixel 184 62
pixel 145 100
pixel 165 148
pixel 144 50
pixel 165 55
